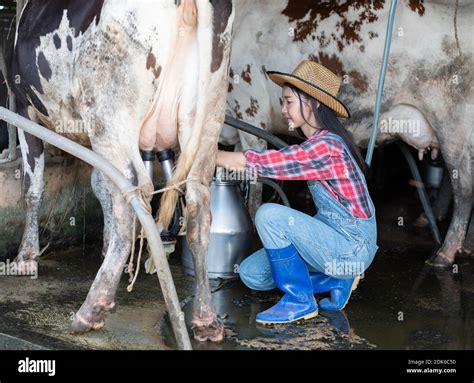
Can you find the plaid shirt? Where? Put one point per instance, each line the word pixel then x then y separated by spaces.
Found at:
pixel 318 158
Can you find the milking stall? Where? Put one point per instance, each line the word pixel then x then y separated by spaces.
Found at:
pixel 247 176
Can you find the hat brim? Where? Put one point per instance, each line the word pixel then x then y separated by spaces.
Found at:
pixel 313 90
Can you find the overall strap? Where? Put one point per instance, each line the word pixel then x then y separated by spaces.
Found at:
pixel 358 169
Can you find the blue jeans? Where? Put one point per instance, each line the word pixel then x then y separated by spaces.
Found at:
pixel 322 247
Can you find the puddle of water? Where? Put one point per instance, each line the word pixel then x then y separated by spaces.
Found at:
pixel 404 304
pixel 401 304
pixel 237 307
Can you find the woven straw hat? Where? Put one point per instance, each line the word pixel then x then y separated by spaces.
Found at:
pixel 317 81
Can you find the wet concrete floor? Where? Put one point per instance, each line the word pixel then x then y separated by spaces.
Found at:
pixel 400 304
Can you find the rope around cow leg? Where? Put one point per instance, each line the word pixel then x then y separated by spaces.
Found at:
pixel 142 197
pixel 146 205
pixel 132 253
pixel 130 286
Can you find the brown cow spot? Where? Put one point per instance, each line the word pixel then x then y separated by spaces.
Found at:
pixel 246 75
pixel 309 13
pixel 252 110
pixel 151 64
pixel 360 81
pixel 237 112
pixel 417 6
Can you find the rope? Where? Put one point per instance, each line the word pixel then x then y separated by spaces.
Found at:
pixel 132 283
pixel 140 194
pixel 143 198
pixel 132 253
pixel 176 186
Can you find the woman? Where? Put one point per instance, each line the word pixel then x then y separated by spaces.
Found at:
pixel 304 255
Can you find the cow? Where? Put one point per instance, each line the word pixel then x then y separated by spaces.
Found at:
pixel 428 98
pixel 120 77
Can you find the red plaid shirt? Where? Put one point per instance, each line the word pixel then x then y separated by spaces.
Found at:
pixel 321 158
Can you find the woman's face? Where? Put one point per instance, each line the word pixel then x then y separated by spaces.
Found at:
pixel 292 111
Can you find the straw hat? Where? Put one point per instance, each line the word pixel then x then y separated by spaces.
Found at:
pixel 317 81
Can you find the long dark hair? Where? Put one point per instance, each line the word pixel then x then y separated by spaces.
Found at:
pixel 327 120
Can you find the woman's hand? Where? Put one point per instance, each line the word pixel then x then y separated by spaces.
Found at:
pixel 233 160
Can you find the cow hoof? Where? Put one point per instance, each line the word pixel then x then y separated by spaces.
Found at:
pixel 92 319
pixel 80 325
pixel 205 331
pixel 439 260
pixel 26 268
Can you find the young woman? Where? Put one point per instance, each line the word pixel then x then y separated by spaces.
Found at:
pixel 304 255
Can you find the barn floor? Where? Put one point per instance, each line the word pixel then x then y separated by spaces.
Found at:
pixel 401 303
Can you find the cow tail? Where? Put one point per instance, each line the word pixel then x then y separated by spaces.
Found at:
pixel 169 198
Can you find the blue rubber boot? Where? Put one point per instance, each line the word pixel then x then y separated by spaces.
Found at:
pixel 340 290
pixel 321 282
pixel 292 277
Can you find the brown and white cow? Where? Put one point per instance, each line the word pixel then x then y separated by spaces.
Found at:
pixel 130 75
pixel 428 98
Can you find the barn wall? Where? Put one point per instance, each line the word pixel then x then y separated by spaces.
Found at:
pixel 68 203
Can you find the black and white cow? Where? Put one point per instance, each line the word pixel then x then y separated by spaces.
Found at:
pixel 121 76
pixel 429 89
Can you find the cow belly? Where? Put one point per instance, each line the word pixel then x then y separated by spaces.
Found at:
pixel 160 127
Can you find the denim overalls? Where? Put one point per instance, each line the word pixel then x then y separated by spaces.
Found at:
pixel 332 242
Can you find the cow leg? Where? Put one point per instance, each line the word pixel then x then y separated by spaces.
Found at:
pixel 468 246
pixel 101 296
pixel 443 199
pixel 32 150
pixel 442 202
pixel 458 162
pixel 204 319
pixel 105 199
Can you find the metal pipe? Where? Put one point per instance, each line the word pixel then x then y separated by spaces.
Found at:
pixel 166 159
pixel 383 72
pixel 148 157
pixel 154 241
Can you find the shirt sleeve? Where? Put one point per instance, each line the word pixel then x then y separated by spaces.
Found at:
pixel 308 161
